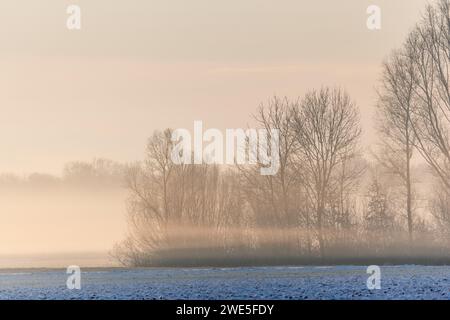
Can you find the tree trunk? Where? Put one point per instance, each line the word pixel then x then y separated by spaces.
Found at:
pixel 408 193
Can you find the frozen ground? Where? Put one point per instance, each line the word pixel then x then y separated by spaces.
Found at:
pixel 341 282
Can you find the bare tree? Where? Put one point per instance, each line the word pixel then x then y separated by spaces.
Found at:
pixel 440 209
pixel 277 114
pixel 327 131
pixel 343 198
pixel 396 106
pixel 279 189
pixel 428 48
pixel 180 211
pixel 148 183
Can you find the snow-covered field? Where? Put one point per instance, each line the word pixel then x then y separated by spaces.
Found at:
pixel 340 282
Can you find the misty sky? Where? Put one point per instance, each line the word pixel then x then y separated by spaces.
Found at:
pixel 141 65
pixel 136 66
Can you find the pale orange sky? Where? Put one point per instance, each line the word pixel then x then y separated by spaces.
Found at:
pixel 141 65
pixel 136 66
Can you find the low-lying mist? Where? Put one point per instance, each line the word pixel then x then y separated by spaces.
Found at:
pixel 193 246
pixel 44 218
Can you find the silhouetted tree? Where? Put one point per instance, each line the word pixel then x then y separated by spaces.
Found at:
pixel 396 107
pixel 327 131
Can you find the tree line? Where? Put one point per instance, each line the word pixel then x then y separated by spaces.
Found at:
pixel 329 200
pixel 98 173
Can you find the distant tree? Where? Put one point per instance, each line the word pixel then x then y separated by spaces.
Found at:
pixel 9 179
pixel 42 180
pixel 98 171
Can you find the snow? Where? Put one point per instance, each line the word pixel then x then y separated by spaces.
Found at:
pixel 338 282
